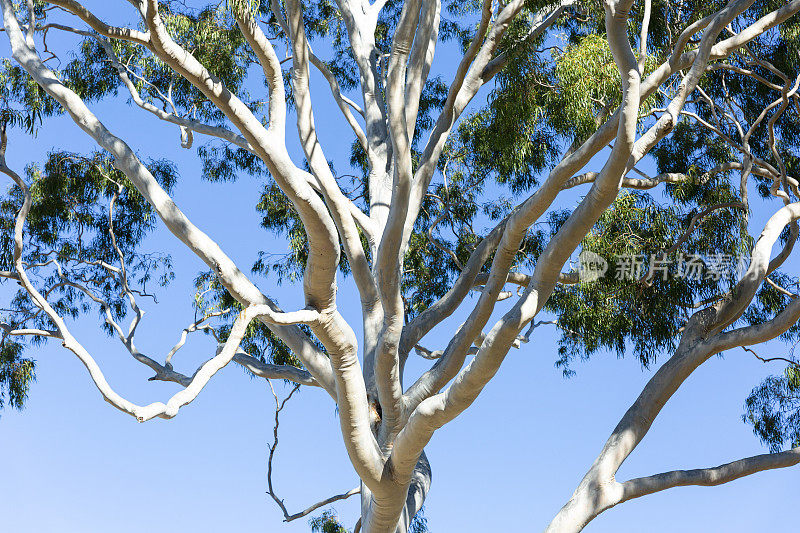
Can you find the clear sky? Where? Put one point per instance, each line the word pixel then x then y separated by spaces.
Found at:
pixel 71 463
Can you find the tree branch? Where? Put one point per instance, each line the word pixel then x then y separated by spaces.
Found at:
pixel 709 477
pixel 112 32
pixel 125 160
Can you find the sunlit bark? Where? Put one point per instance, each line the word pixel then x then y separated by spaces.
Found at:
pixel 386 425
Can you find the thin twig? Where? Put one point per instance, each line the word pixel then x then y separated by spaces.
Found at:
pixel 771 359
pixel 279 405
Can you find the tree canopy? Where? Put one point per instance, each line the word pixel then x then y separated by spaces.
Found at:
pixel 641 135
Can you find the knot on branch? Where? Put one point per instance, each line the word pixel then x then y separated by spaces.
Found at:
pixel 669 122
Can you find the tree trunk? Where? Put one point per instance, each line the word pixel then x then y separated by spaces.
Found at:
pixel 380 514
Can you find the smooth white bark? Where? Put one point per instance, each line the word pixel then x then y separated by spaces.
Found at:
pixel 384 427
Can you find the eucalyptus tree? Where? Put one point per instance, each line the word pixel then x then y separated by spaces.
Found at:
pixel 459 189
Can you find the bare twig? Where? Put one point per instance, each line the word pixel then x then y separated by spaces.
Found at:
pixel 279 405
pixel 771 359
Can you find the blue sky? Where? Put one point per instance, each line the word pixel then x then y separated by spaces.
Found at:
pixel 71 463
